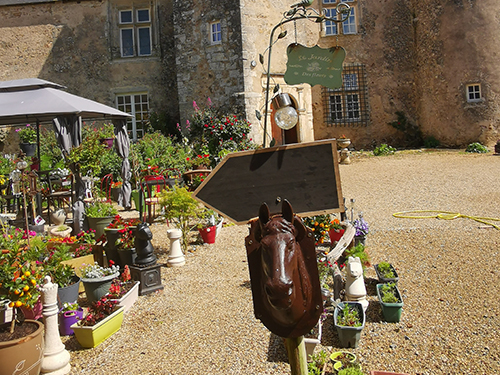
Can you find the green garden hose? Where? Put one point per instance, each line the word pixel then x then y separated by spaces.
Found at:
pixel 444 215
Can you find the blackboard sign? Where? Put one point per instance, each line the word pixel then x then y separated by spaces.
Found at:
pixel 305 174
pixel 315 65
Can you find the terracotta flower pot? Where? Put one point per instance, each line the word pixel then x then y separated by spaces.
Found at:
pixel 23 353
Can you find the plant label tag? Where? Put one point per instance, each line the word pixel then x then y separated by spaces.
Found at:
pixel 39 220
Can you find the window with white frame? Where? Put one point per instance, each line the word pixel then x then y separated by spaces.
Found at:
pixel 135 32
pixel 215 33
pixel 348 105
pixel 474 93
pixel 138 106
pixel 347 27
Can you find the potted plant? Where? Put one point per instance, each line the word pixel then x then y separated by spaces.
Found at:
pixel 124 290
pixel 97 280
pixel 391 301
pixel 21 341
pixel 27 138
pixel 114 231
pixel 69 314
pixel 99 215
pixel 336 230
pixel 182 210
pixel 104 317
pixel 313 338
pixel 62 274
pixel 386 272
pixel 343 359
pixel 317 363
pixel 107 135
pixel 61 231
pixel 320 226
pixel 125 245
pixel 349 320
pixel 362 230
pixel 208 227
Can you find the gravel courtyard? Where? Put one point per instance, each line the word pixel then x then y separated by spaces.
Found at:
pixel 203 322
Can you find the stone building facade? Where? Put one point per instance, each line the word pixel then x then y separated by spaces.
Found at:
pixel 431 61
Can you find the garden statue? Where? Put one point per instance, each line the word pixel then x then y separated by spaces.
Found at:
pixel 283 273
pixel 145 269
pixel 175 256
pixel 143 246
pixel 355 289
pixel 55 356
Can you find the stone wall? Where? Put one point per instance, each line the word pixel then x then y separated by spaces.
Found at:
pixel 419 57
pixel 75 44
pixel 206 70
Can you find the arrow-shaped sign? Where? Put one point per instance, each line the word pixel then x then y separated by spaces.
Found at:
pixel 305 174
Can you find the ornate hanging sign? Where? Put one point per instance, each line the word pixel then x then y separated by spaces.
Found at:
pixel 315 65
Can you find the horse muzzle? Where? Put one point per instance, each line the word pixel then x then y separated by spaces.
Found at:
pixel 280 296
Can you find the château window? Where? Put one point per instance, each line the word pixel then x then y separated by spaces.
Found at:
pixel 347 27
pixel 348 105
pixel 135 32
pixel 474 93
pixel 138 106
pixel 215 33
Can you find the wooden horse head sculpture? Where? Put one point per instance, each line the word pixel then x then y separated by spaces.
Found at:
pixel 283 273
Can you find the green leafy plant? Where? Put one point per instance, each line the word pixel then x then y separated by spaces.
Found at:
pixel 431 142
pixel 60 273
pixel 388 293
pixel 384 149
pixel 182 210
pixel 99 208
pixel 27 134
pixel 6 166
pixel 412 133
pixel 317 361
pixel 348 316
pixel 88 155
pixel 50 153
pixel 107 130
pixel 67 306
pixel 353 370
pixel 477 148
pixel 358 251
pixel 385 269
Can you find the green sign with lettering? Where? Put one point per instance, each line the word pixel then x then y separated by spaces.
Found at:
pixel 315 65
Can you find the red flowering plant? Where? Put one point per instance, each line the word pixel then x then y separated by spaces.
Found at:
pixel 120 286
pixel 99 310
pixel 120 223
pixel 126 240
pixel 213 132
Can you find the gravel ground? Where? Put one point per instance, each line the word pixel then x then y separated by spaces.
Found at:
pixel 203 323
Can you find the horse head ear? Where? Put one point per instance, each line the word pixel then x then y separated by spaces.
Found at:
pixel 264 214
pixel 287 211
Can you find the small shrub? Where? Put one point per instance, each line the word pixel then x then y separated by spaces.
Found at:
pixel 384 149
pixel 388 293
pixel 477 147
pixel 431 142
pixel 385 270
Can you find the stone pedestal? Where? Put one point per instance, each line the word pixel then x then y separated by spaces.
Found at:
pixel 176 256
pixel 150 278
pixel 56 358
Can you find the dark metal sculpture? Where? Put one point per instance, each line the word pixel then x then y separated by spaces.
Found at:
pixel 283 272
pixel 143 246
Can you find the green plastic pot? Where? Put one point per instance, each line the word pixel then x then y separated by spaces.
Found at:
pixel 349 336
pixel 391 311
pixel 95 289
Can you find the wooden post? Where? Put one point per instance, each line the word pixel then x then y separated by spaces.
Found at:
pixel 297 358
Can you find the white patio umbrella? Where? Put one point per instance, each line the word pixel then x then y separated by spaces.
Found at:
pixel 35 100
